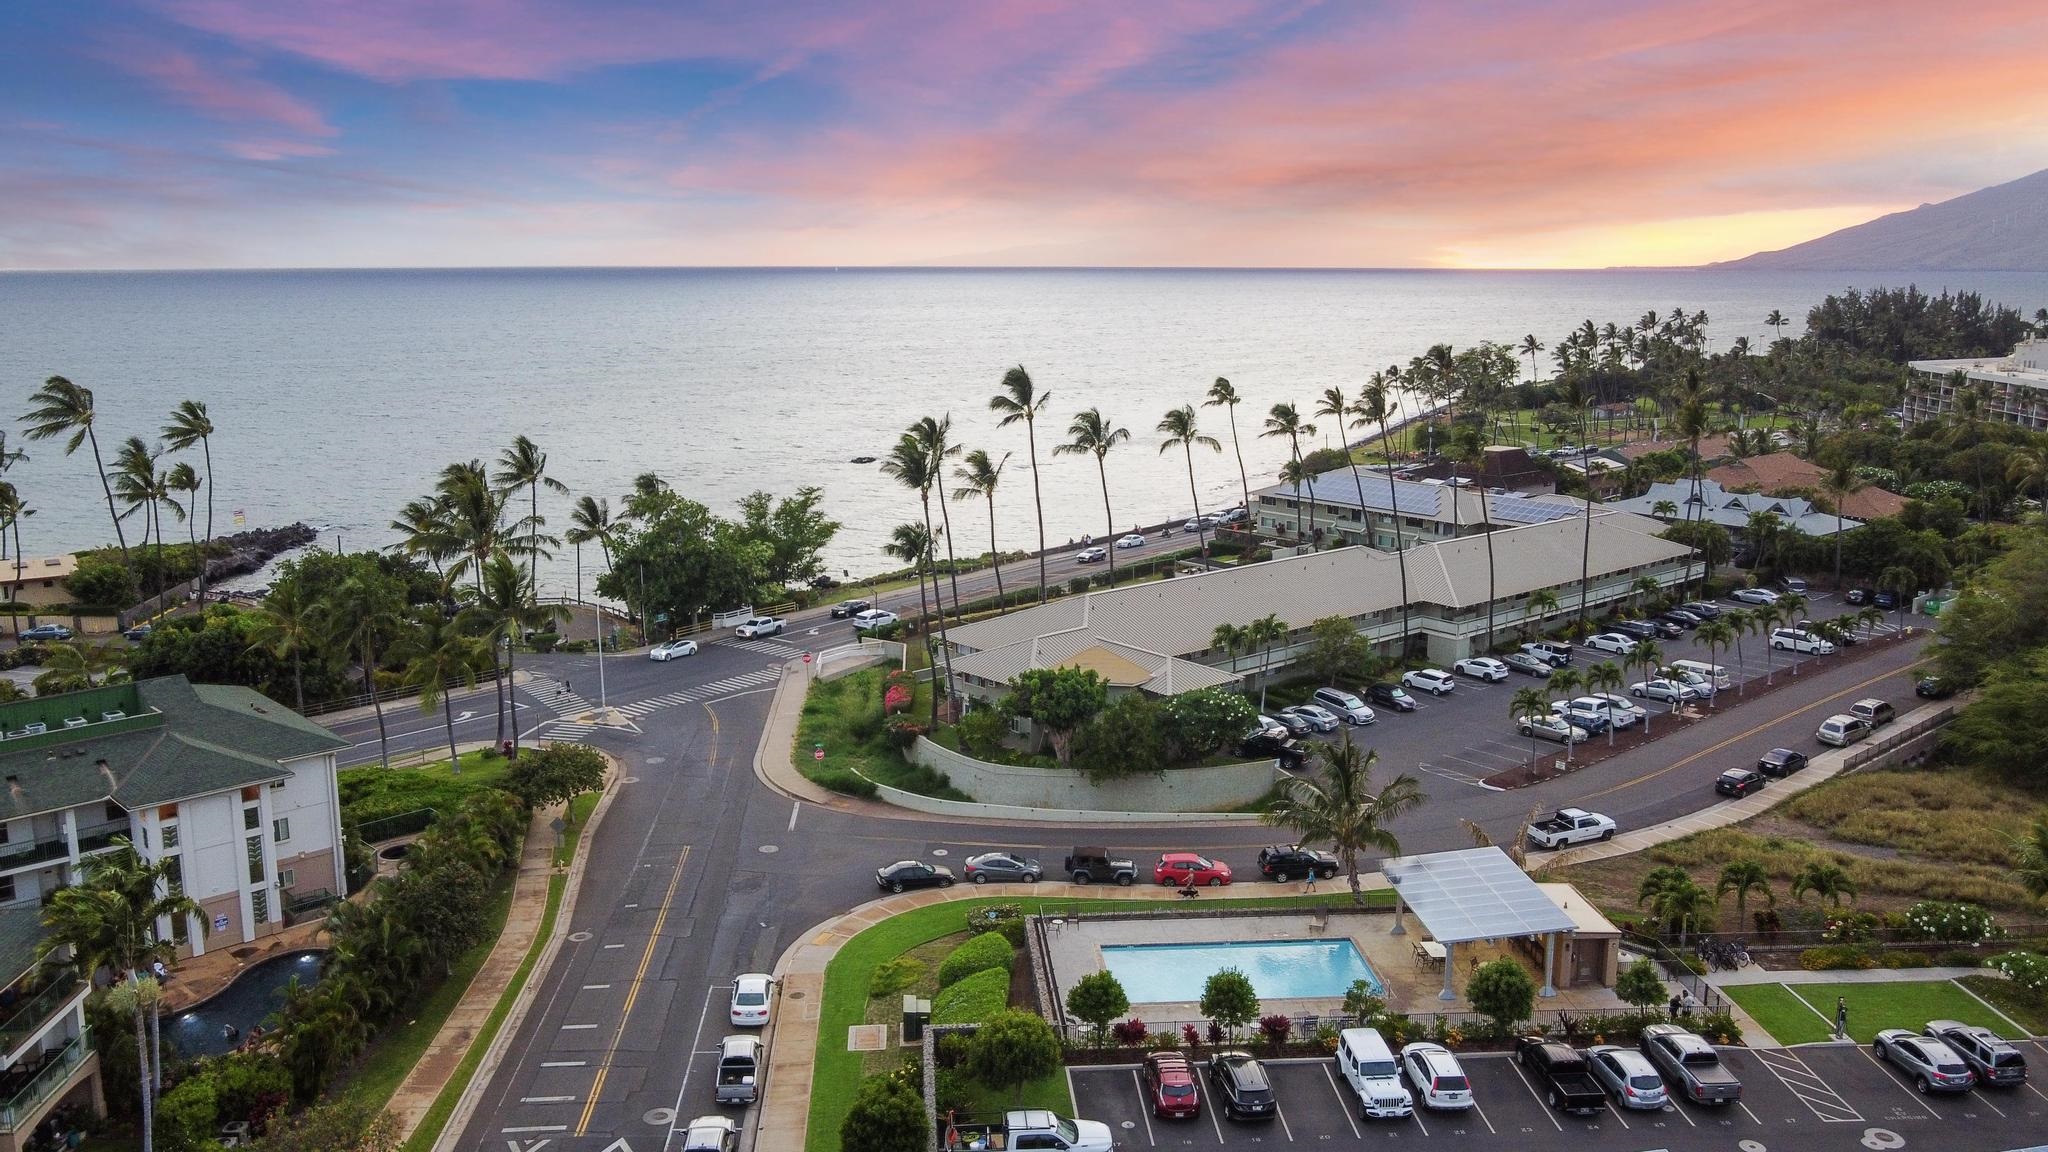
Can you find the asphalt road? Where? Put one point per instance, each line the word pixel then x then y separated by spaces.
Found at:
pixel 700 872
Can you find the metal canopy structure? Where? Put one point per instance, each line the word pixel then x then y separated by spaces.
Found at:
pixel 1474 894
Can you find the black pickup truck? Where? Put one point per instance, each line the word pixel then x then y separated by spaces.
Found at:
pixel 1096 865
pixel 1562 1076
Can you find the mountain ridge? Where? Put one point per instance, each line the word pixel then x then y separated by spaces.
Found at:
pixel 2002 228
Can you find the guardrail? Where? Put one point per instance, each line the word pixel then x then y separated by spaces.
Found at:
pixel 392 827
pixel 1675 969
pixel 1875 749
pixel 344 703
pixel 53 1073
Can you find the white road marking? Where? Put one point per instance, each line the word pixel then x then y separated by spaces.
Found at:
pixel 547 1099
pixel 1343 1105
pixel 1144 1105
pixel 1516 1067
pixel 577 1027
pixel 562 1063
pixel 696 1041
pixel 795 806
pixel 537 1128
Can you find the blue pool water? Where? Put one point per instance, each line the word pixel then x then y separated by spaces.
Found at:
pixel 1279 969
pixel 250 1000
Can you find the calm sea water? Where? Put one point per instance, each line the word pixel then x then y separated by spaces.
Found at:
pixel 340 394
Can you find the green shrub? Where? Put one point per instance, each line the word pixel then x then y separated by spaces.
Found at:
pixel 1005 919
pixel 894 976
pixel 1959 958
pixel 575 646
pixel 978 954
pixel 977 998
pixel 1830 957
pixel 185 1116
pixel 844 782
pixel 544 642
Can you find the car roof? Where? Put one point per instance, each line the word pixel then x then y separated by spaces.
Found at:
pixel 1181 856
pixel 1738 771
pixel 1779 754
pixel 1171 1066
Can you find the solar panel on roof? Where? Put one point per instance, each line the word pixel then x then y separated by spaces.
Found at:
pixel 1530 511
pixel 1474 894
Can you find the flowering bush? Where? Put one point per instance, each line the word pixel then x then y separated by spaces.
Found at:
pixel 904 733
pixel 1949 920
pixel 1853 927
pixel 896 698
pixel 1190 1036
pixel 2029 970
pixel 1129 1033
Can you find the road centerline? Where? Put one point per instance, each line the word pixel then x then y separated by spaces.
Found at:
pixel 633 992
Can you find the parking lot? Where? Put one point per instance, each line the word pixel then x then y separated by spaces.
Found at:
pixel 1817 1098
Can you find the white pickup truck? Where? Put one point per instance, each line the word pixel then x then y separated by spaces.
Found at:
pixel 758 626
pixel 1031 1128
pixel 1571 826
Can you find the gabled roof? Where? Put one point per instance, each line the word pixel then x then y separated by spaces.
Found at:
pixel 1780 472
pixel 1732 509
pixel 1121 665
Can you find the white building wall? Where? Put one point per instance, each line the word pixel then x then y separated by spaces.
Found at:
pixel 309 801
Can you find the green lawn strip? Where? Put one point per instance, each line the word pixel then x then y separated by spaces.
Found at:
pixel 1777 1011
pixel 372 791
pixel 1906 1004
pixel 579 815
pixel 837 1073
pixel 397 1048
pixel 2027 1009
pixel 436 1119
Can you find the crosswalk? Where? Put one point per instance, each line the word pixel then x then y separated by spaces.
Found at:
pixel 725 687
pixel 558 696
pixel 764 644
pixel 571 724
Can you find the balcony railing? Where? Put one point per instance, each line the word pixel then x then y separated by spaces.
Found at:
pixel 46 851
pixel 35 1087
pixel 27 1017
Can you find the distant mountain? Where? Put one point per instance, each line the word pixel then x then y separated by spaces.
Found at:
pixel 2001 228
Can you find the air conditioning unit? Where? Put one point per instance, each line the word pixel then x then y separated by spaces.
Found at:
pixel 36 729
pixel 114 715
pixel 74 722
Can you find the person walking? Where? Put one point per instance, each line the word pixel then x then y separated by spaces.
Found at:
pixel 1674 1005
pixel 1308 882
pixel 1841 1017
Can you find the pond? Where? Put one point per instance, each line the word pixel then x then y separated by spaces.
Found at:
pixel 250 1000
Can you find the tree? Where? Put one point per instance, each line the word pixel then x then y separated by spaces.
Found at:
pixel 1335 649
pixel 1222 393
pixel 186 1116
pixel 2030 860
pixel 1675 901
pixel 1530 347
pixel 140 486
pixel 1338 807
pixel 886 1116
pixel 1205 720
pixel 61 408
pixel 1777 323
pixel 1097 1000
pixel 1128 738
pixel 1178 428
pixel 1058 701
pixel 1373 407
pixel 1840 483
pixel 343 1124
pixel 912 542
pixel 1640 984
pixel 359 617
pixel 505 610
pixel 1648 656
pixel 290 623
pixel 185 479
pixel 1283 420
pixel 1743 877
pixel 12 511
pixel 1092 434
pixel 1717 635
pixel 191 425
pixel 436 654
pixel 1021 400
pixel 1229 999
pixel 1902 583
pixel 1503 990
pixel 792 530
pixel 979 476
pixel 75 664
pixel 2005 729
pixel 524 465
pixel 1541 603
pixel 1606 678
pixel 1263 634
pixel 935 436
pixel 1363 1001
pixel 1012 1050
pixel 1337 409
pixel 1527 703
pixel 676 559
pixel 590 520
pixel 1468 447
pixel 1826 881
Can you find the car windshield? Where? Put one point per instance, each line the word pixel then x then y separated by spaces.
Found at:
pixel 1066 1129
pixel 1177 1090
pixel 1376 1068
pixel 2008 1060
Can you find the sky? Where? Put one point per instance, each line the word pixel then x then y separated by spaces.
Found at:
pixel 1565 133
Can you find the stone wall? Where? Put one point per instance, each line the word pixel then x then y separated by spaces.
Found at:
pixel 1210 789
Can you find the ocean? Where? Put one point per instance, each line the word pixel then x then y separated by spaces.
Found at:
pixel 340 394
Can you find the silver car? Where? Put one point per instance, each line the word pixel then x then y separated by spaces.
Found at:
pixel 1003 866
pixel 1551 728
pixel 1528 665
pixel 1995 1061
pixel 1932 1064
pixel 1320 719
pixel 1628 1076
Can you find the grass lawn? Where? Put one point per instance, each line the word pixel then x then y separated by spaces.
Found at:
pixel 837 1072
pixel 845 717
pixel 373 792
pixel 1805 1013
pixel 2027 1009
pixel 579 815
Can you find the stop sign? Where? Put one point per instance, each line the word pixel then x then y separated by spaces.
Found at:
pixel 818 754
pixel 807 657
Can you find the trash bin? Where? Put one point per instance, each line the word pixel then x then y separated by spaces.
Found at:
pixel 917 1012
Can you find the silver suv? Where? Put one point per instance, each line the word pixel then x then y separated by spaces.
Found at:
pixel 1347 706
pixel 1995 1061
pixel 1932 1064
pixel 1842 730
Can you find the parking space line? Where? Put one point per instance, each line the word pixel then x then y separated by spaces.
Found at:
pixel 1417 1113
pixel 1674 1106
pixel 1516 1067
pixel 1343 1108
pixel 1482 1115
pixel 1792 1066
pixel 1281 1113
pixel 1144 1106
pixel 1616 1113
pixel 1213 1121
pixel 1979 1097
pixel 1891 1077
pixel 1752 1115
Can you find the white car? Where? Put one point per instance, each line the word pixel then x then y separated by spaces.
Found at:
pixel 1800 640
pixel 750 998
pixel 758 626
pixel 1613 642
pixel 1091 555
pixel 1435 681
pixel 661 653
pixel 1669 691
pixel 1551 728
pixel 1482 668
pixel 1621 716
pixel 1619 703
pixel 1761 596
pixel 712 1134
pixel 872 619
pixel 1130 540
pixel 1438 1079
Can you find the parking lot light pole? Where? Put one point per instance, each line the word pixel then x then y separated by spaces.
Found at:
pixel 1549 965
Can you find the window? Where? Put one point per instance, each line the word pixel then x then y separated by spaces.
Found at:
pixel 288 878
pixel 281 829
pixel 174 875
pixel 6 889
pixel 276 785
pixel 3 831
pixel 115 812
pixel 259 905
pixel 170 836
pixel 251 819
pixel 255 859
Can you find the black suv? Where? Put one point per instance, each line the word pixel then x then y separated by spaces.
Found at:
pixel 1637 629
pixel 1702 609
pixel 1294 862
pixel 1933 688
pixel 846 608
pixel 1681 617
pixel 1274 742
pixel 1390 696
pixel 1241 1086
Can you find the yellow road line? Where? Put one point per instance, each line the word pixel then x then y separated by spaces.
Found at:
pixel 1713 748
pixel 633 993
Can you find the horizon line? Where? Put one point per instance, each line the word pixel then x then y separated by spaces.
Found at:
pixel 858 268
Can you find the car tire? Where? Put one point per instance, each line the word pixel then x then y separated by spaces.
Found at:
pixel 896 886
pixel 1080 878
pixel 1031 877
pixel 1607 835
pixel 1922 1084
pixel 946 883
pixel 1553 1099
pixel 1326 873
pixel 1124 881
pixel 981 878
pixel 1215 881
pixel 1164 881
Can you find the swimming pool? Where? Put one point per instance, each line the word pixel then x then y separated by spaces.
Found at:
pixel 255 994
pixel 1279 969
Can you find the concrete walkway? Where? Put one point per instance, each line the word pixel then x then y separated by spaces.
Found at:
pixel 1758 975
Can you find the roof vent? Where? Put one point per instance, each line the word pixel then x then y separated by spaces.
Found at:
pixel 53 561
pixel 74 722
pixel 116 714
pixel 35 729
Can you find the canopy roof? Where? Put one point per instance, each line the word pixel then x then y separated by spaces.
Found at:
pixel 1474 894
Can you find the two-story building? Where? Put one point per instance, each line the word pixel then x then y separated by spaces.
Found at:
pixel 236 792
pixel 1367 509
pixel 2015 387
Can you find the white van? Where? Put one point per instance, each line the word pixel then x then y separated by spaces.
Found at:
pixel 1368 1066
pixel 1713 674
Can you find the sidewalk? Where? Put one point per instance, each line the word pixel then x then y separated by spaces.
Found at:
pixel 1755 974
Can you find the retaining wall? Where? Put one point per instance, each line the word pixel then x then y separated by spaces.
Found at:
pixel 1182 790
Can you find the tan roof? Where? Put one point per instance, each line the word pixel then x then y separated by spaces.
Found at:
pixel 1587 919
pixel 37 568
pixel 1122 665
pixel 1115 670
pixel 1780 473
pixel 1179 616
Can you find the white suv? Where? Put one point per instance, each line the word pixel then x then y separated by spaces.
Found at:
pixel 1619 714
pixel 758 626
pixel 1437 1077
pixel 1435 681
pixel 1482 668
pixel 1800 640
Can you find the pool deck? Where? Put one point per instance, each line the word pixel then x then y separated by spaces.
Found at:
pixel 196 979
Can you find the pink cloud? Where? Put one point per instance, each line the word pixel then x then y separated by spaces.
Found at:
pixel 223 91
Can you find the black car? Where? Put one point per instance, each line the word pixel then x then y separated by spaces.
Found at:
pixel 1241 1086
pixel 846 608
pixel 139 633
pixel 1390 696
pixel 1294 862
pixel 1639 629
pixel 1933 688
pixel 1739 782
pixel 1274 742
pixel 1701 609
pixel 1295 725
pixel 913 874
pixel 1885 600
pixel 1780 762
pixel 1857 596
pixel 1681 618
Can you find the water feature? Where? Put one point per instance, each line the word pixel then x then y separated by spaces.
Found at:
pixel 248 1001
pixel 1278 969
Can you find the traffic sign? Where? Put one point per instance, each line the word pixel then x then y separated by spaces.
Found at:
pixel 818 754
pixel 807 657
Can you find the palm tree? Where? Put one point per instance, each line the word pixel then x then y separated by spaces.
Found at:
pixel 1901 582
pixel 1605 677
pixel 359 613
pixel 978 476
pixel 1021 400
pixel 1338 409
pixel 1645 587
pixel 1092 434
pixel 184 478
pixel 936 435
pixel 1743 877
pixel 911 543
pixel 2030 860
pixel 12 511
pixel 505 609
pixel 2026 466
pixel 140 487
pixel 425 532
pixel 61 408
pixel 1373 407
pixel 910 464
pixel 86 665
pixel 1777 322
pixel 1840 483
pixel 437 652
pixel 1178 426
pixel 1468 446
pixel 1530 347
pixel 1739 622
pixel 1262 634
pixel 1716 635
pixel 1284 420
pixel 1870 616
pixel 1230 639
pixel 591 520
pixel 1649 657
pixel 524 465
pixel 1692 425
pixel 191 425
pixel 1528 702
pixel 1565 682
pixel 1769 618
pixel 1825 880
pixel 1339 808
pixel 290 622
pixel 1222 393
pixel 1681 903
pixel 110 922
pixel 1542 602
pixel 8 459
pixel 470 527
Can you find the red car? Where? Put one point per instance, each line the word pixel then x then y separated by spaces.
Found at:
pixel 1176 868
pixel 1170 1085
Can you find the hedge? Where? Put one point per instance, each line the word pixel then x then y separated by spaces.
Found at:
pixel 975 999
pixel 979 954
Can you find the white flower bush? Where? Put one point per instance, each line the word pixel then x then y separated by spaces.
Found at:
pixel 1947 920
pixel 2029 970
